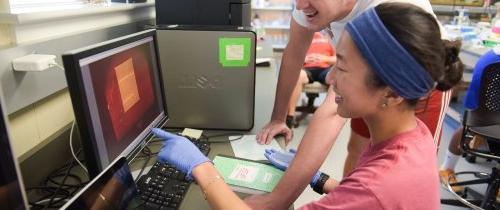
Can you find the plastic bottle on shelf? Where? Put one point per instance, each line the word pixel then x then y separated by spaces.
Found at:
pixel 258 27
pixel 258 3
pixel 267 3
pixel 463 17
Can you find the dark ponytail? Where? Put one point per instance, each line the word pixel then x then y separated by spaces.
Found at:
pixel 418 32
pixel 453 66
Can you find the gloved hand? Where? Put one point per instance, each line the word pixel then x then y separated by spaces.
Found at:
pixel 179 152
pixel 281 160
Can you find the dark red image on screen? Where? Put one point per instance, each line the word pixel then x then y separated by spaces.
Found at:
pixel 125 95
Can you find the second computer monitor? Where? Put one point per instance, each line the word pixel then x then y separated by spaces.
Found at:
pixel 203 13
pixel 117 97
pixel 12 194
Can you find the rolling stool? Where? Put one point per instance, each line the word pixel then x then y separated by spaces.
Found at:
pixel 312 91
pixel 483 121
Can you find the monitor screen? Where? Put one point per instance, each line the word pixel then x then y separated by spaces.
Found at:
pixel 114 188
pixel 11 188
pixel 116 94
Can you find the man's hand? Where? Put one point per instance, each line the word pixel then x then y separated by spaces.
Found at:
pixel 315 58
pixel 273 128
pixel 319 58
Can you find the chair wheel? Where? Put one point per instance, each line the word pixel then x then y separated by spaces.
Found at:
pixel 470 159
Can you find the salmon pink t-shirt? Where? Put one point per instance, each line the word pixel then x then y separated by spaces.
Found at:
pixel 319 45
pixel 399 173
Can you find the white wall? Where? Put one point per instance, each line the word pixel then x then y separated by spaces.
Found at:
pixel 37 108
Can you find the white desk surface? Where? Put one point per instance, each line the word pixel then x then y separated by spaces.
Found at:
pixel 266 79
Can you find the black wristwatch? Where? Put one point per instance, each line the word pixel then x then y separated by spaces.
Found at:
pixel 318 187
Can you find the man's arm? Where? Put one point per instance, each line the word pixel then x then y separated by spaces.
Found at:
pixel 313 149
pixel 291 63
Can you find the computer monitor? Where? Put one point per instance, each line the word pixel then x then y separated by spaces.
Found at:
pixel 203 12
pixel 12 194
pixel 117 96
pixel 113 188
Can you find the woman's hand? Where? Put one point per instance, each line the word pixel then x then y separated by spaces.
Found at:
pixel 179 152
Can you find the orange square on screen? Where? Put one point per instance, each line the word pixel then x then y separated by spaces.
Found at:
pixel 127 84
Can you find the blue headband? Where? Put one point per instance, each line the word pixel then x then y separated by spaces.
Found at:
pixel 390 61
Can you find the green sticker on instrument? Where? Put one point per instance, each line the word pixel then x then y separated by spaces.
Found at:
pixel 234 52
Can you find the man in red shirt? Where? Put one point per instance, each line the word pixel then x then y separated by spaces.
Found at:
pixel 319 58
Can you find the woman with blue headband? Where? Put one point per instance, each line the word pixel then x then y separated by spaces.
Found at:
pixel 388 58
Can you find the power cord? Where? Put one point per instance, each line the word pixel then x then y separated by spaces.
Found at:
pixel 148 154
pixel 54 193
pixel 178 130
pixel 60 186
pixel 204 137
pixel 239 136
pixel 155 140
pixel 39 203
pixel 51 185
pixel 71 147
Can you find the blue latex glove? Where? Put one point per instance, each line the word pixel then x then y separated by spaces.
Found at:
pixel 179 152
pixel 281 160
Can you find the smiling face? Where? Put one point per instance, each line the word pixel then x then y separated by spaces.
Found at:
pixel 354 95
pixel 320 13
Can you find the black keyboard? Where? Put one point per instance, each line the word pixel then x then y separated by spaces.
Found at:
pixel 164 187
